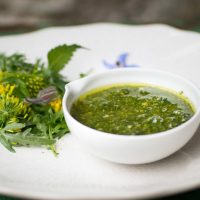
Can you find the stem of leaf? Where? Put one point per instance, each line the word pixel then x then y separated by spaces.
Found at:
pixel 52 146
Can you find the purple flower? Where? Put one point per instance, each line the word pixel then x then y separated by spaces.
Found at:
pixel 121 62
pixel 44 96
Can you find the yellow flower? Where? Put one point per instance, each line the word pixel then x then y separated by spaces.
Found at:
pixel 56 104
pixel 11 108
pixel 34 83
pixel 2 89
pixel 6 89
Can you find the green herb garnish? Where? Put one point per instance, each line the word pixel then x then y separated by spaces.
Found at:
pixel 30 99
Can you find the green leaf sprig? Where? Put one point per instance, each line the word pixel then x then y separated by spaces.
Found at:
pixel 36 121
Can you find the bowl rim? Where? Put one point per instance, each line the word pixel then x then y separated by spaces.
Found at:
pixel 120 136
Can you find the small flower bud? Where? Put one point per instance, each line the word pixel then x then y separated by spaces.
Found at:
pixel 44 96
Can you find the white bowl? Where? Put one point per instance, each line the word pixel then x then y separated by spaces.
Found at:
pixel 134 149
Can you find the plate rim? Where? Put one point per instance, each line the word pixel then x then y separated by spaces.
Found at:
pixel 7 191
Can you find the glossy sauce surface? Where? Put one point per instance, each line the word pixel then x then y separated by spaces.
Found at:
pixel 132 109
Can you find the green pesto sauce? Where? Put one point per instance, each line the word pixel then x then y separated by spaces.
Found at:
pixel 132 109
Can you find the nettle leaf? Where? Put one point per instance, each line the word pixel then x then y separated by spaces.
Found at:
pixel 60 56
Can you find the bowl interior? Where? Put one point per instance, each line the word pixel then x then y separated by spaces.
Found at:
pixel 153 77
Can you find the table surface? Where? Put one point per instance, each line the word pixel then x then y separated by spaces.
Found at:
pixel 193 194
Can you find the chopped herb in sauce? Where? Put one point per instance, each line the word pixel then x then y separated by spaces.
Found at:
pixel 132 109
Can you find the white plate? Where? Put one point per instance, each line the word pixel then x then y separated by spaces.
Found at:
pixel 75 174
